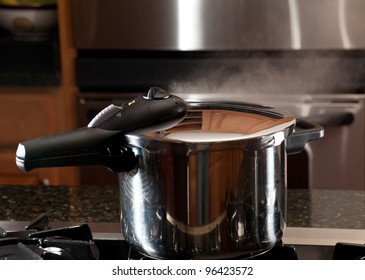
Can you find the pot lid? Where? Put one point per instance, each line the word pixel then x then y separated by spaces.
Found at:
pixel 222 121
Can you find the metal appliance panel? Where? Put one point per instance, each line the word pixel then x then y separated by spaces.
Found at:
pixel 218 25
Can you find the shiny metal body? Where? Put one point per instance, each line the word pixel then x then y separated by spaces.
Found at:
pixel 195 198
pixel 325 169
pixel 218 25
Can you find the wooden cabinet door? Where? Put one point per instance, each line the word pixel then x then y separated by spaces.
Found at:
pixel 26 116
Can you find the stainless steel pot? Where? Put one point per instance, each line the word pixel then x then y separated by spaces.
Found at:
pixel 210 186
pixel 213 186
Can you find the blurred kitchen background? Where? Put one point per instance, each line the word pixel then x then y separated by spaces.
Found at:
pixel 63 61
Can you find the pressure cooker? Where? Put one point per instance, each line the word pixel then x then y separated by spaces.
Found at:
pixel 198 179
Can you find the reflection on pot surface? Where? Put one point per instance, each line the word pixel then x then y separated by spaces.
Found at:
pixel 214 186
pixel 209 202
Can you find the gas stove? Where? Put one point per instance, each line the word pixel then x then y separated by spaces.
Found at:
pixel 37 240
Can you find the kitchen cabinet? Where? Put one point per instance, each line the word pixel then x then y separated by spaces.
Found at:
pixel 31 111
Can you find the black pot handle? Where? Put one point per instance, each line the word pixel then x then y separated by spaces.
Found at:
pixel 81 147
pixel 304 131
pixel 102 141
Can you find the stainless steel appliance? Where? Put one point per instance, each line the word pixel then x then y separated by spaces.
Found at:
pixel 218 25
pixel 197 180
pixel 304 56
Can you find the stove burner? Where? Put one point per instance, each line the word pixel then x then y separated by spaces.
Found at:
pixel 38 241
pixel 349 251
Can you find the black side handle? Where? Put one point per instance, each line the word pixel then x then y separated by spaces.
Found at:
pixel 304 132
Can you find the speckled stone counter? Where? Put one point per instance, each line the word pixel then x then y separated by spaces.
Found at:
pixel 319 209
pixel 326 209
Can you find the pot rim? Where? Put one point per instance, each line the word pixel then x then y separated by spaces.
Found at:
pixel 227 121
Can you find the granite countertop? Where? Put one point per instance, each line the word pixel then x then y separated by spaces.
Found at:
pixel 317 209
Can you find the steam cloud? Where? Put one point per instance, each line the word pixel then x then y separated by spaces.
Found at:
pixel 293 73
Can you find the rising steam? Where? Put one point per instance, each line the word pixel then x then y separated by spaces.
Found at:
pixel 276 73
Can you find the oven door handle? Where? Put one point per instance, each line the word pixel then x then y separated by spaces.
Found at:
pixel 333 119
pixel 304 132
